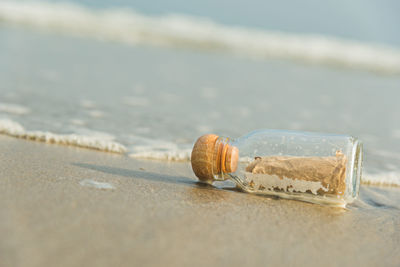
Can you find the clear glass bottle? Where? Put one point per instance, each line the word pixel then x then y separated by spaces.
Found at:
pixel 312 167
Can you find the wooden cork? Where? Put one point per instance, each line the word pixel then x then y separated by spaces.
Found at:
pixel 211 157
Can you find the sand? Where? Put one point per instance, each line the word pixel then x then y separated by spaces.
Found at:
pixel 66 206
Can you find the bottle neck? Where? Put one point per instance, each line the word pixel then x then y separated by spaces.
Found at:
pixel 225 158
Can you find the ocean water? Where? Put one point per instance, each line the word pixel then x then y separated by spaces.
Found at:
pixel 118 80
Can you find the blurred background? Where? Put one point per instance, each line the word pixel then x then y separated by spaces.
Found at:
pixel 151 76
pixel 369 20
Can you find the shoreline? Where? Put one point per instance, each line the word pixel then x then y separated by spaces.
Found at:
pixel 66 206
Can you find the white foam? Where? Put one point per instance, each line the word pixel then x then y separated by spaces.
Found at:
pixel 95 184
pixel 171 155
pixel 129 27
pixel 382 178
pixel 14 109
pixel 10 127
pixel 159 150
pixel 93 133
pixel 14 129
pixel 96 113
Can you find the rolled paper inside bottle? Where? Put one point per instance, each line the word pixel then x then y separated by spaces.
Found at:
pixel 317 175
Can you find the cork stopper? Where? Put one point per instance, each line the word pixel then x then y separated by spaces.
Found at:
pixel 211 157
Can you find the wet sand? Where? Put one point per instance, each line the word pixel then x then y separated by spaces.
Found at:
pixel 65 206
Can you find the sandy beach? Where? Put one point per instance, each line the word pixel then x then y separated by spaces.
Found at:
pixel 65 206
pixel 102 101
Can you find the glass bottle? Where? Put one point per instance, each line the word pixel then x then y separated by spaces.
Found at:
pixel 312 167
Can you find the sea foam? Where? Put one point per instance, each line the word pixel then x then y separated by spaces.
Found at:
pixel 147 148
pixel 170 155
pixel 14 129
pixel 130 27
pixel 160 150
pixel 14 109
pixel 383 178
pixel 95 184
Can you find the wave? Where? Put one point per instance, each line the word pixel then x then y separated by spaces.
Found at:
pixel 173 154
pixel 130 27
pixel 381 178
pixel 12 128
pixel 146 148
pixel 14 109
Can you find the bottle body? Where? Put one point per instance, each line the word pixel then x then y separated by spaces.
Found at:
pixel 312 167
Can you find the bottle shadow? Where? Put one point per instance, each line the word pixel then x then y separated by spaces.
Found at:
pixel 146 175
pixel 172 179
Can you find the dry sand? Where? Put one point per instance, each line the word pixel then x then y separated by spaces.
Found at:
pixel 53 213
